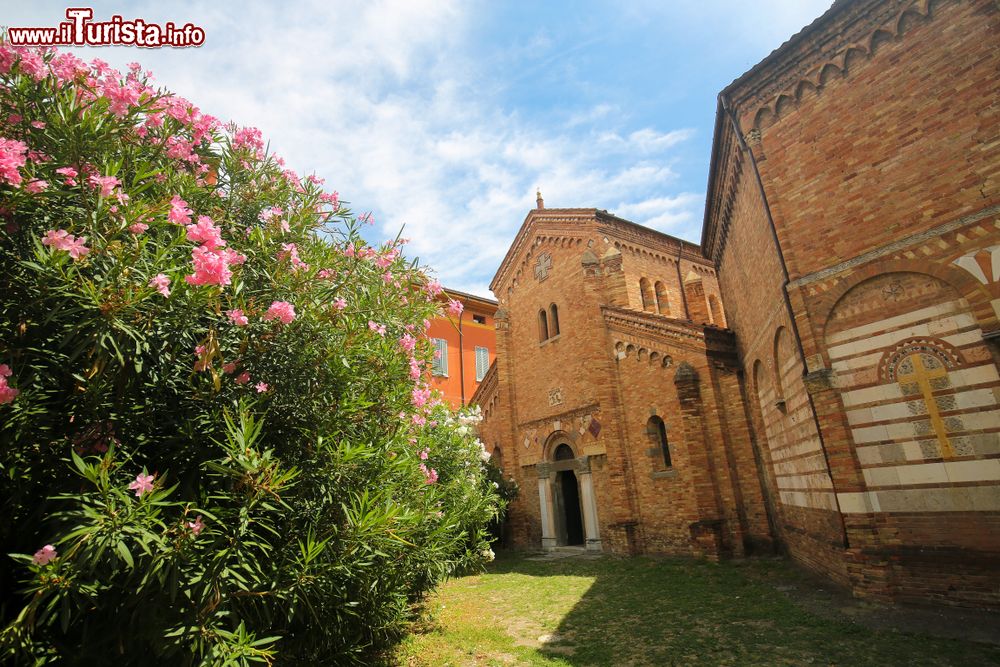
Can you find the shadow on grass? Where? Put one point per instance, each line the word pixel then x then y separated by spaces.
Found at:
pixel 646 611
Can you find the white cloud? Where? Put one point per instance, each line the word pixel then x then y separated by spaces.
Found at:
pixel 385 100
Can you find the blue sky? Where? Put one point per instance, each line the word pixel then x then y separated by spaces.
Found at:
pixel 445 116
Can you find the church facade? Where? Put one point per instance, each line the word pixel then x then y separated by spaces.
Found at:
pixel 820 375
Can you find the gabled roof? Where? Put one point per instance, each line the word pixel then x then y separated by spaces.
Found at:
pixel 547 217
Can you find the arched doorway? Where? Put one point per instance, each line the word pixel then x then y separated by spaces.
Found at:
pixel 569 514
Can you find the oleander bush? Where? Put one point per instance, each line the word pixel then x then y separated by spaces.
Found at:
pixel 217 445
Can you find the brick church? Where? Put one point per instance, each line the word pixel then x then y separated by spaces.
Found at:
pixel 820 376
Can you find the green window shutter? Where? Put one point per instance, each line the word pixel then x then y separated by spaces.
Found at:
pixel 482 362
pixel 440 366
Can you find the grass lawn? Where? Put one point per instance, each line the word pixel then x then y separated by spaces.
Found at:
pixel 645 611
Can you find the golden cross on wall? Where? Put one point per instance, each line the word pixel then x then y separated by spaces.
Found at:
pixel 922 376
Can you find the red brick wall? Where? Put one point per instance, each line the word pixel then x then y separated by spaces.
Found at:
pixel 874 136
pixel 905 139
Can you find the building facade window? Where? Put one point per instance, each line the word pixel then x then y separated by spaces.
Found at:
pixel 482 362
pixel 662 300
pixel 715 307
pixel 553 320
pixel 647 295
pixel 440 365
pixel 543 326
pixel 657 430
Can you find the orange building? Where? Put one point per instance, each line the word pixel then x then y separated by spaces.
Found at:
pixel 467 344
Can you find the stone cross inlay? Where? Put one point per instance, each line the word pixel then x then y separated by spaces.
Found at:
pixel 922 375
pixel 542 266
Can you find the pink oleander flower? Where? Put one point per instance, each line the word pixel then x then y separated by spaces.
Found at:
pixel 429 473
pixel 376 327
pixel 120 97
pixel 107 184
pixel 161 283
pixel 142 484
pixel 206 233
pixel 12 158
pixel 69 175
pixel 33 65
pixel 420 396
pixel 280 310
pixel 210 268
pixel 45 555
pixel 138 228
pixel 424 453
pixel 414 369
pixel 229 367
pixel 38 125
pixel 367 218
pixel 242 378
pixel 433 288
pixel 60 239
pixel 269 213
pixel 68 67
pixel 36 186
pixel 261 387
pixel 455 307
pixel 407 342
pixel 340 303
pixel 290 252
pixel 179 213
pixel 349 251
pixel 251 139
pixel 196 526
pixel 233 257
pixel 333 199
pixel 7 393
pixel 237 317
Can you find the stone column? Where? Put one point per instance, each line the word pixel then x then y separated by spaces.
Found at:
pixel 549 540
pixel 589 502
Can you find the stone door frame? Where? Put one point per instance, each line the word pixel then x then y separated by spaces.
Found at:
pixel 546 483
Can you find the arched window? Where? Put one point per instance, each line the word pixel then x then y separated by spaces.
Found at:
pixel 497 457
pixel 716 309
pixel 543 325
pixel 563 453
pixel 657 430
pixel 646 292
pixel 554 319
pixel 662 298
pixel 782 355
pixel 758 383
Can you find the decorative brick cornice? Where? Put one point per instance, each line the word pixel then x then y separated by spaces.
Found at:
pixel 847 34
pixel 653 327
pixel 850 31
